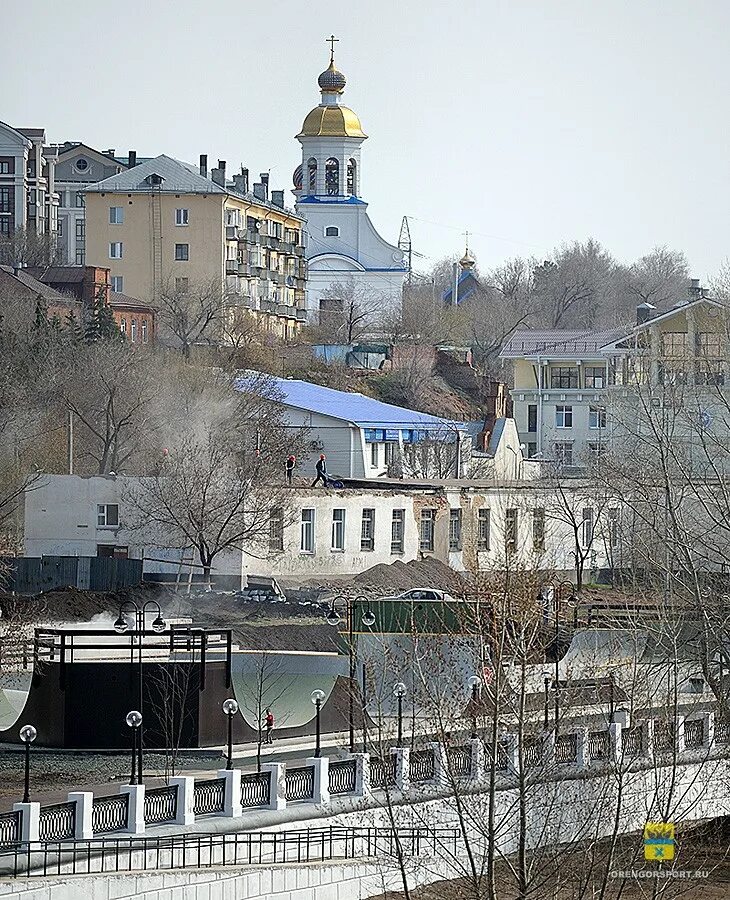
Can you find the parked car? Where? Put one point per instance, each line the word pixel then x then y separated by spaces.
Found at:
pixel 429 594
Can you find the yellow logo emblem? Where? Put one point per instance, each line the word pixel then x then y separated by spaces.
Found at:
pixel 659 840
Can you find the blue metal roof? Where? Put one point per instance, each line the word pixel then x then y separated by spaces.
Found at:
pixel 349 407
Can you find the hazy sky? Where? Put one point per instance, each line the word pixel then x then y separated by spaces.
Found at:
pixel 529 122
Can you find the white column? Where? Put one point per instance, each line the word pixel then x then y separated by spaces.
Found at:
pixel 321 766
pixel 649 738
pixel 277 787
pixel 581 756
pixel 402 767
pixel 135 812
pixel 232 792
pixel 679 734
pixel 30 820
pixel 621 716
pixel 84 801
pixel 476 769
pixel 614 738
pixel 185 799
pixel 362 774
pixel 709 729
pixel 513 759
pixel 440 763
pixel 548 748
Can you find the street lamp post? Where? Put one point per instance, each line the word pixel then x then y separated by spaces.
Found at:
pixel 399 689
pixel 552 592
pixel 474 682
pixel 134 720
pixel 547 702
pixel 121 626
pixel 27 735
pixel 230 708
pixel 317 698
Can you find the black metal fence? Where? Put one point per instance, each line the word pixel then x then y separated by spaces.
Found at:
pixel 10 828
pixel 382 771
pixel 196 851
pixel 422 765
pixel 160 804
pixel 33 575
pixel 342 776
pixel 300 783
pixel 459 761
pixel 566 748
pixel 109 813
pixel 599 745
pixel 209 796
pixel 694 734
pixel 532 750
pixel 632 740
pixel 255 789
pixel 57 822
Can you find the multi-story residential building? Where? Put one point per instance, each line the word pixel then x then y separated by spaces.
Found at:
pixel 77 166
pixel 27 183
pixel 165 227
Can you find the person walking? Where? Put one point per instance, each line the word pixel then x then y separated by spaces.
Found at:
pixel 291 462
pixel 321 469
pixel 269 723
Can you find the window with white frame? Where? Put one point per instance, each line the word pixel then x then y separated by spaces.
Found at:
pixel 116 250
pixel 375 455
pixel 511 530
pixel 133 331
pixel 538 528
pixel 563 416
pixel 563 451
pixel 367 531
pixel 397 531
pixel 483 529
pixel 276 528
pixel 338 529
pixel 117 282
pixel 182 252
pixel 586 527
pixel 597 417
pixel 595 377
pixel 144 331
pixel 107 515
pixel 307 535
pixel 116 215
pixel 182 216
pixel 427 529
pixel 123 326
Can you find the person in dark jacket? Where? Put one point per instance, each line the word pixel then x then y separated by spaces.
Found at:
pixel 321 469
pixel 291 462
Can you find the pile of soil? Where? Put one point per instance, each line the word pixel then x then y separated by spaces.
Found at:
pixel 387 579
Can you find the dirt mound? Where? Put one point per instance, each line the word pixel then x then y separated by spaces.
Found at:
pixel 395 577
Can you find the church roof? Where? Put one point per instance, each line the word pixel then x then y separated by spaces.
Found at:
pixel 332 121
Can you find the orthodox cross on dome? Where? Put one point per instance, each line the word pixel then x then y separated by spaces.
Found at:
pixel 332 40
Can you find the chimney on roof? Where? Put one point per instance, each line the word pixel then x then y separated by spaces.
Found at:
pixel 238 183
pixel 695 291
pixel 259 191
pixel 644 312
pixel 110 152
pixel 132 158
pixel 219 175
pixel 277 198
pixel 204 165
pixel 244 172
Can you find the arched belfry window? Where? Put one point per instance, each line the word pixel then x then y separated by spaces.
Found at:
pixel 312 175
pixel 352 177
pixel 332 176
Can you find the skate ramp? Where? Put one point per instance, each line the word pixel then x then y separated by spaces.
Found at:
pixel 14 690
pixel 595 650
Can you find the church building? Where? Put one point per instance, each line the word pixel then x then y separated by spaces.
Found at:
pixel 343 249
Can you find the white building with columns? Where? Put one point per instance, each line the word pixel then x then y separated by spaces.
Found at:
pixel 343 246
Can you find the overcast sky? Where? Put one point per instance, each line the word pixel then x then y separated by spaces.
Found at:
pixel 528 122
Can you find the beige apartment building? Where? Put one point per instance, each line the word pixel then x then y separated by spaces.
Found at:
pixel 165 227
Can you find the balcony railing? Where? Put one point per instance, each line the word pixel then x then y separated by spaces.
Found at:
pixel 300 783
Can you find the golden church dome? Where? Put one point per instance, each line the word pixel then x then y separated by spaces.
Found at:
pixel 332 121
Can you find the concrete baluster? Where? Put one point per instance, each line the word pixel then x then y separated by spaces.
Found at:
pixel 709 730
pixel 440 763
pixel 581 756
pixel 477 767
pixel 614 739
pixel 321 765
pixel 277 788
pixel 30 820
pixel 511 749
pixel 362 774
pixel 185 814
pixel 232 793
pixel 135 810
pixel 84 801
pixel 402 767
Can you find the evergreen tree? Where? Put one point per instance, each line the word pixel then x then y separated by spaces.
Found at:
pixel 73 327
pixel 41 314
pixel 101 325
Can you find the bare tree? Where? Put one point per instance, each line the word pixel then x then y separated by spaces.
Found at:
pixel 191 312
pixel 28 248
pixel 347 311
pixel 263 691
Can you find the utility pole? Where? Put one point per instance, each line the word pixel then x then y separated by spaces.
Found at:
pixel 405 244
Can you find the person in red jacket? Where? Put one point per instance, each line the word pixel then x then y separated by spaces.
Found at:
pixel 269 723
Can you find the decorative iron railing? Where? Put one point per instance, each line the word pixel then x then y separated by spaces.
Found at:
pixel 109 813
pixel 599 745
pixel 160 804
pixel 566 748
pixel 694 733
pixel 300 783
pixel 501 761
pixel 255 789
pixel 460 761
pixel 382 771
pixel 722 731
pixel 663 735
pixel 10 828
pixel 210 796
pixel 632 740
pixel 423 765
pixel 57 822
pixel 531 750
pixel 342 777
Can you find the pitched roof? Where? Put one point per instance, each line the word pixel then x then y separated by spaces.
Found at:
pixel 28 281
pixel 554 342
pixel 178 178
pixel 358 409
pixel 58 274
pixel 117 299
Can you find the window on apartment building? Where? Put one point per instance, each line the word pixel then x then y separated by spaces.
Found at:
pixel 564 377
pixel 538 528
pixel 107 515
pixel 117 283
pixel 307 536
pixel 116 215
pixel 59 227
pixel 563 416
pixel 338 529
pixel 427 529
pixel 595 376
pixel 276 528
pixel 80 256
pixel 5 200
pixel 274 229
pixel 79 200
pixel 123 327
pixel 61 198
pixel 116 250
pixel 182 251
pixel 397 531
pixel 144 331
pixel 563 452
pixel 532 417
pixel 182 216
pixel 511 527
pixel 595 451
pixel 597 417
pixel 674 344
pixel 612 525
pixel 133 331
pixel 4 167
pixel 80 230
pixel 710 366
pixel 367 531
pixel 332 231
pixel 375 455
pixel 484 529
pixel 455 529
pixel 182 285
pixel 586 527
